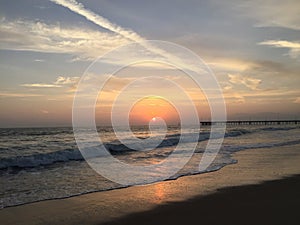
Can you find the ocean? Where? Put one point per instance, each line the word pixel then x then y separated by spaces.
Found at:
pixel 44 163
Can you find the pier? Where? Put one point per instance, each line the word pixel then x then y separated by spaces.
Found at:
pixel 251 122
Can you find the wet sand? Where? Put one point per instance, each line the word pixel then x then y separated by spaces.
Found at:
pixel 226 196
pixel 272 202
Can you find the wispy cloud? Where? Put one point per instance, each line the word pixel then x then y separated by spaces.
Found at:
pixel 282 44
pixel 66 80
pixel 262 96
pixel 230 64
pixel 297 100
pixel 130 35
pixel 249 82
pixel 97 19
pixel 23 35
pixel 40 85
pixel 59 82
pixel 39 60
pixel 275 13
pixel 18 94
pixel 293 46
pixel 83 43
pixel 271 13
pixel 44 111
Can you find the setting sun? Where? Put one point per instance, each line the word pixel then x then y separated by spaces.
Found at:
pixel 141 112
pixel 150 108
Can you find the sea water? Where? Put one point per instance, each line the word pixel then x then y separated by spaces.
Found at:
pixel 44 163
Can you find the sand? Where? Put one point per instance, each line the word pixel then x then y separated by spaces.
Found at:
pixel 272 202
pixel 227 196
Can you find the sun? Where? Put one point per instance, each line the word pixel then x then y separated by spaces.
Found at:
pixel 153 109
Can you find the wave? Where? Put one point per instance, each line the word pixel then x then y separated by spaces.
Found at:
pixel 173 139
pixel 232 149
pixel 211 168
pixel 119 148
pixel 277 128
pixel 44 159
pixel 35 131
pixel 40 159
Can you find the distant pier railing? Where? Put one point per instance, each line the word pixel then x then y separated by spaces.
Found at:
pixel 251 122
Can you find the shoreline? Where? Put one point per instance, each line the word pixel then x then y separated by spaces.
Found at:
pixel 116 188
pixel 254 166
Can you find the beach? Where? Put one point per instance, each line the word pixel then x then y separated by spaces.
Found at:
pixel 262 188
pixel 149 113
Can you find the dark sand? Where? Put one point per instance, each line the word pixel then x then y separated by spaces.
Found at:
pixel 272 202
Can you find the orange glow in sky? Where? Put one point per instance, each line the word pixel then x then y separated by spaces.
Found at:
pixel 151 108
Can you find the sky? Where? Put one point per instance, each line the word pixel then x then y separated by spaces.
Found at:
pixel 252 47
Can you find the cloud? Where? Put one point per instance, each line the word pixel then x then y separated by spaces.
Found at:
pixel 297 100
pixel 130 35
pixel 226 86
pixel 83 43
pixel 229 64
pixel 270 13
pixel 282 44
pixel 294 47
pixel 44 111
pixel 66 80
pixel 249 82
pixel 23 35
pixel 276 13
pixel 263 96
pixel 40 85
pixel 18 95
pixel 235 98
pixel 97 19
pixel 60 82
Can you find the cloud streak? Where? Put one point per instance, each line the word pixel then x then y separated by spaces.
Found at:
pixel 66 80
pixel 18 95
pixel 276 13
pixel 60 82
pixel 130 35
pixel 297 100
pixel 40 85
pixel 23 35
pixel 249 82
pixel 97 19
pixel 293 46
pixel 271 13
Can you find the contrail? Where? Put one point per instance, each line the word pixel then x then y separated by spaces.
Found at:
pixel 99 20
pixel 79 8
